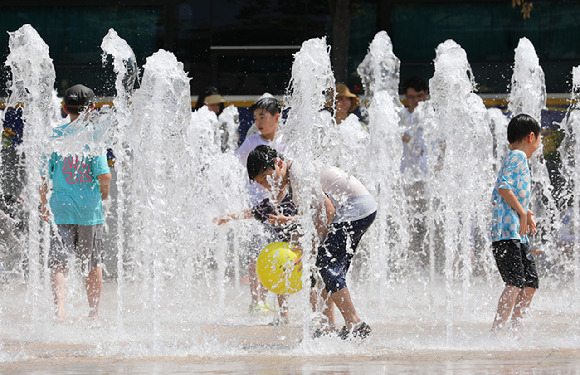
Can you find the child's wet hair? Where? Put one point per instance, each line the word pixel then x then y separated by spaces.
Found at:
pixel 415 83
pixel 521 126
pixel 268 103
pixel 261 159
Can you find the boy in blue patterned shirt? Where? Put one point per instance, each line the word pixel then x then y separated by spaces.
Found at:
pixel 511 222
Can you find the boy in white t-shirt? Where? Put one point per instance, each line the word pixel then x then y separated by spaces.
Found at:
pixel 266 112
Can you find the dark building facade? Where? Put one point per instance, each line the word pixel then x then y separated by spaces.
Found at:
pixel 246 47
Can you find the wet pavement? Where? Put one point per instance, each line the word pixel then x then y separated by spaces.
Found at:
pixel 281 350
pixel 425 339
pixel 421 362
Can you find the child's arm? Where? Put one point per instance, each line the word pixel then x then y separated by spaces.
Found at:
pixel 104 182
pixel 43 190
pixel 330 211
pixel 280 219
pixel 322 222
pixel 531 221
pixel 322 225
pixel 244 214
pixel 511 199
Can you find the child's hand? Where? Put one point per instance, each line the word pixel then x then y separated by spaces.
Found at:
pixel 523 225
pixel 45 214
pixel 531 222
pixel 278 219
pixel 221 220
pixel 298 261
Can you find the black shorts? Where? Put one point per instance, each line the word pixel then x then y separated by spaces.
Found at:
pixel 515 263
pixel 335 255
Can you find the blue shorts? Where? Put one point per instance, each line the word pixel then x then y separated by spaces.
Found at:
pixel 515 263
pixel 335 254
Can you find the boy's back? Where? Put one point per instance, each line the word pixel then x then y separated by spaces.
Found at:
pixel 76 198
pixel 514 175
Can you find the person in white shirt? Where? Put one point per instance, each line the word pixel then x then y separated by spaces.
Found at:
pixel 414 166
pixel 266 112
pixel 343 210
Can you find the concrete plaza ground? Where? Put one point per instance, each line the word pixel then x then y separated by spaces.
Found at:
pixel 405 339
pixel 60 358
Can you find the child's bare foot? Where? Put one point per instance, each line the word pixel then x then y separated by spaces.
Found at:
pixel 60 313
pixel 516 329
pixel 94 315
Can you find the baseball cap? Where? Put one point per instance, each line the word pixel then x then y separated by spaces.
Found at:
pixel 78 96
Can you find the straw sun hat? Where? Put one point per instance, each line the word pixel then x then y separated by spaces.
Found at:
pixel 214 99
pixel 342 90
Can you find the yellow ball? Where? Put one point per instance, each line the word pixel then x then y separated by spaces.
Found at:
pixel 277 270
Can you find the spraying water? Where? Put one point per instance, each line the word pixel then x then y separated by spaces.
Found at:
pixel 174 294
pixel 32 85
pixel 379 72
pixel 575 121
pixel 528 90
pixel 463 184
pixel 125 68
pixel 498 123
pixel 304 131
pixel 228 136
pixel 160 109
pixel 528 95
pixel 570 152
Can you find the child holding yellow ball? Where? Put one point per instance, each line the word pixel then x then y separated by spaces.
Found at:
pixel 344 210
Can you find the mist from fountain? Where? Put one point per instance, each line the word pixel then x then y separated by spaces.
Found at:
pixel 460 184
pixel 379 73
pixel 125 68
pixel 175 294
pixel 574 123
pixel 528 95
pixel 305 132
pixel 570 152
pixel 32 85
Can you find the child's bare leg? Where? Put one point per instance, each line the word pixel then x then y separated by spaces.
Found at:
pixel 320 303
pixel 58 284
pixel 257 290
pixel 94 286
pixel 314 300
pixel 346 307
pixel 328 310
pixel 523 301
pixel 283 304
pixel 505 305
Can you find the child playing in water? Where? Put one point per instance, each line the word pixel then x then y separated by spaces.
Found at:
pixel 343 210
pixel 511 222
pixel 266 112
pixel 79 184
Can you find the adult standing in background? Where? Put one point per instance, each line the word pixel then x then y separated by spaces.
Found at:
pixel 345 103
pixel 212 99
pixel 414 166
pixel 227 128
